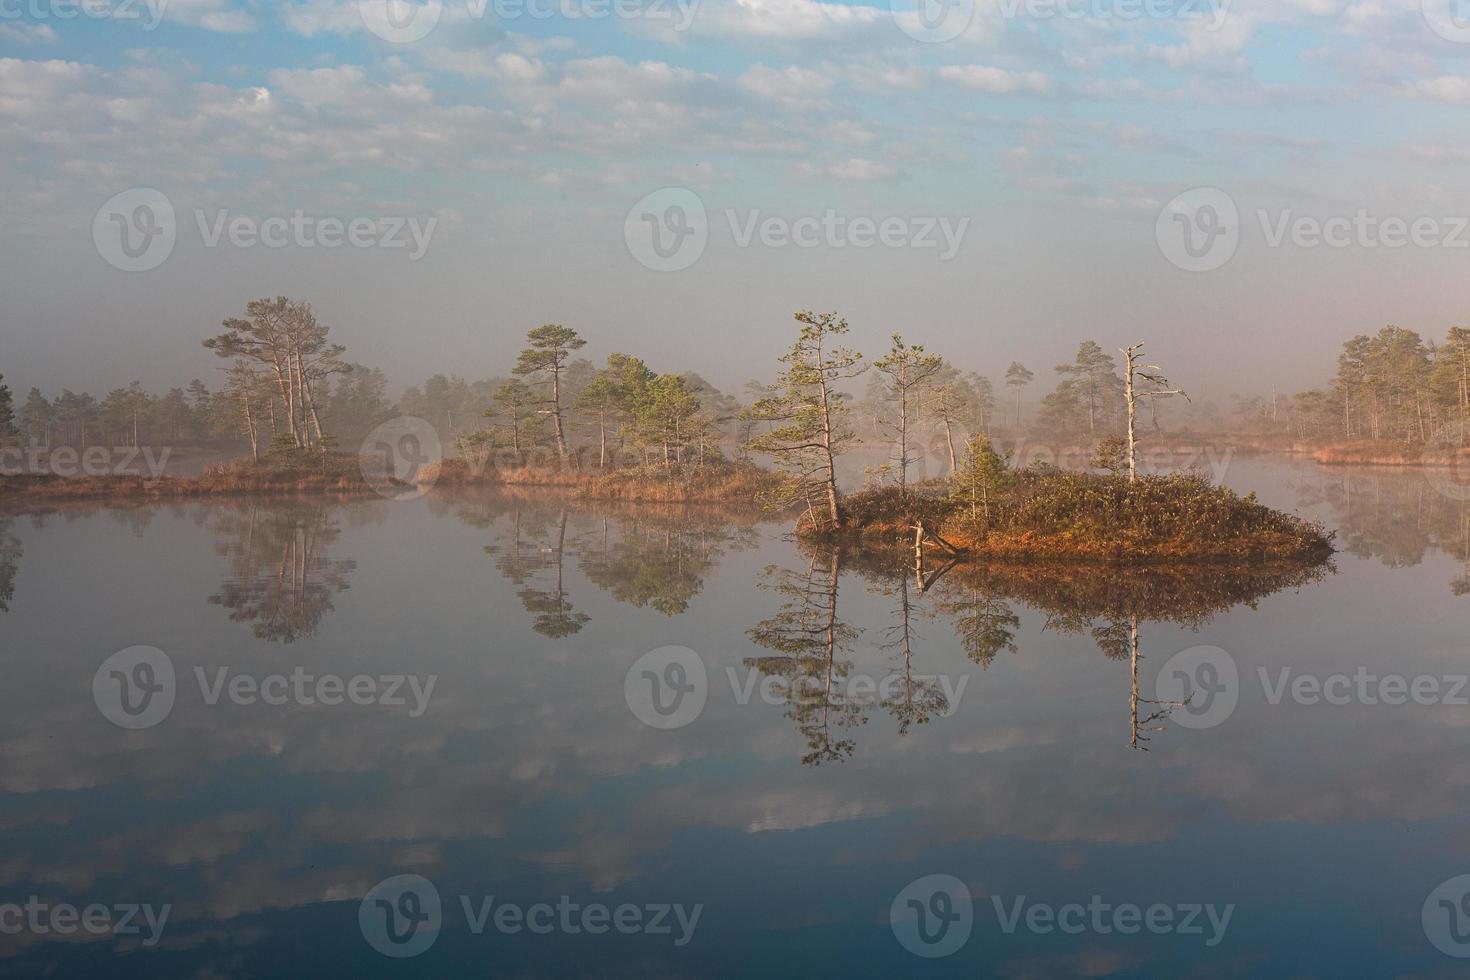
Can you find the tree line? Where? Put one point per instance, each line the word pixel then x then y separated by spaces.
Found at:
pixel 1392 386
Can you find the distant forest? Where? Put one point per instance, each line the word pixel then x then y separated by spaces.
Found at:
pixel 285 384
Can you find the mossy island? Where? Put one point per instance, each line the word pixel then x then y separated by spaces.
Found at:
pixel 1040 512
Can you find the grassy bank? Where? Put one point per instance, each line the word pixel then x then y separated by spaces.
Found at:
pixel 1368 453
pixel 1044 513
pixel 720 482
pixel 337 474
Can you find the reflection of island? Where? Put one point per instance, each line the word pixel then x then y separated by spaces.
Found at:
pixel 1395 517
pixel 10 553
pixel 647 556
pixel 1110 603
pixel 281 577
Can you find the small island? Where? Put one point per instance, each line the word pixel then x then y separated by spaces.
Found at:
pixel 990 511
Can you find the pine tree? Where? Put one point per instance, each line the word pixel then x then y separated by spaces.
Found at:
pixel 551 344
pixel 807 412
pixel 982 478
pixel 907 373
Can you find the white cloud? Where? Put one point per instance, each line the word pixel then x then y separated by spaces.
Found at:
pixel 997 81
pixel 1446 88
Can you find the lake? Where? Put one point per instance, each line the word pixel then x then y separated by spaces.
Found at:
pixel 481 735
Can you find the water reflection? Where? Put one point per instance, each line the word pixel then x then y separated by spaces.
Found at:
pixel 650 556
pixel 10 555
pixel 808 638
pixel 1397 517
pixel 282 576
pixel 529 777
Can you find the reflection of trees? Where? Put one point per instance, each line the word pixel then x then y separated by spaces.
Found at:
pixel 915 698
pixel 652 556
pixel 807 637
pixel 536 555
pixel 1104 601
pixel 659 560
pixel 281 578
pixel 1142 729
pixel 985 622
pixel 1395 517
pixel 10 554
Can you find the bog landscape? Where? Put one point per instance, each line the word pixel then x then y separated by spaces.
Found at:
pixel 734 489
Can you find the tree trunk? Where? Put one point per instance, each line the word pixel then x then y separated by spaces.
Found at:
pixel 831 480
pixel 561 439
pixel 1132 409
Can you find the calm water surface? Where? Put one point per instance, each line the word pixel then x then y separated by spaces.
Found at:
pixel 863 727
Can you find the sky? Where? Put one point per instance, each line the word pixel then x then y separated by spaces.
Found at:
pixel 1241 184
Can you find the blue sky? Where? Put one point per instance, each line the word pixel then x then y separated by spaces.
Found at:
pixel 526 141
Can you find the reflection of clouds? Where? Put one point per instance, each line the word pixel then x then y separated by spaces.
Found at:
pixel 529 751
